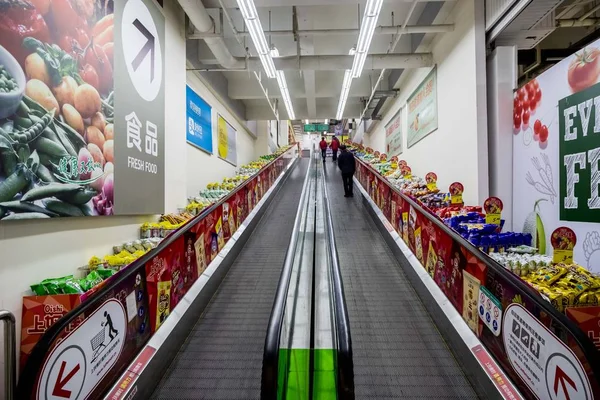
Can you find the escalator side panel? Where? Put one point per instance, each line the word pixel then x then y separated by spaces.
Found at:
pixel 222 357
pixel 398 351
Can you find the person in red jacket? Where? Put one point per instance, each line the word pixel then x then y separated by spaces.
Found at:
pixel 335 145
pixel 323 146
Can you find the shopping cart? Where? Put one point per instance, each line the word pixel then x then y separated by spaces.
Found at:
pixel 97 343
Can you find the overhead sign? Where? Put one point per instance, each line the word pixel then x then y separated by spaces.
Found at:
pixel 77 365
pixel 549 368
pixel 199 121
pixel 139 108
pixel 316 128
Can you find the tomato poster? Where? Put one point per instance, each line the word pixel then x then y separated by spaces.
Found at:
pixel 81 108
pixel 556 153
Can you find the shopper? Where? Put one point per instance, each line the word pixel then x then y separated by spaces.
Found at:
pixel 323 146
pixel 335 145
pixel 347 165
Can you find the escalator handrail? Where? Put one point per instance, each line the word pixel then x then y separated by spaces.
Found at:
pixel 27 378
pixel 583 341
pixel 345 362
pixel 270 368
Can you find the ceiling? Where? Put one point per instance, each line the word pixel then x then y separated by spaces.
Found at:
pixel 547 31
pixel 314 62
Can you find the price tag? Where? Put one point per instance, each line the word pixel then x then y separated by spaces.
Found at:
pixel 562 256
pixel 493 207
pixel 563 241
pixel 456 191
pixel 493 219
pixel 406 172
pixel 456 199
pixel 394 165
pixel 431 179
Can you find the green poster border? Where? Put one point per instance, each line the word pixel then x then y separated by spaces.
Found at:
pixel 432 72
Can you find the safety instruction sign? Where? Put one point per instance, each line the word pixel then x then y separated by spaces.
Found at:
pixel 548 367
pixel 489 310
pixel 85 356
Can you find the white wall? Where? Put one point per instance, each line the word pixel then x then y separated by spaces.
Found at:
pixel 203 168
pixel 502 80
pixel 31 251
pixel 457 150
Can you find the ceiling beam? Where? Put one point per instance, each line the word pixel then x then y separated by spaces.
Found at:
pixel 300 3
pixel 381 30
pixel 335 62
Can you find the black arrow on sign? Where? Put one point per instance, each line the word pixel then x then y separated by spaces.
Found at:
pixel 148 48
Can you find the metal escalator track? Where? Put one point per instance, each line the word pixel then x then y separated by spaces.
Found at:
pixel 398 351
pixel 223 354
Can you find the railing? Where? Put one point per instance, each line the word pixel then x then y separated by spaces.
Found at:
pixel 28 379
pixel 568 332
pixel 10 358
pixel 270 369
pixel 345 363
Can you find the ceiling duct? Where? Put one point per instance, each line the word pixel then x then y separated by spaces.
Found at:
pixel 203 23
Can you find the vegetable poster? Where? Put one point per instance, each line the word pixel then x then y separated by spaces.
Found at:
pixel 393 135
pixel 81 108
pixel 422 110
pixel 556 156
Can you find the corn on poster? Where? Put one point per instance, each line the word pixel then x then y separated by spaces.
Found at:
pixel 556 155
pixel 226 141
pixel 422 110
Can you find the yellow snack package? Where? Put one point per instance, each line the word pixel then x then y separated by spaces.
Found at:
pixel 590 298
pixel 549 274
pixel 554 297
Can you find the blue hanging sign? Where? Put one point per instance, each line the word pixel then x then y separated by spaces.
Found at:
pixel 199 121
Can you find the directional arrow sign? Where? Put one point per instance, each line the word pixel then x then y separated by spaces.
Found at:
pixel 148 48
pixel 562 379
pixel 59 387
pixel 141 49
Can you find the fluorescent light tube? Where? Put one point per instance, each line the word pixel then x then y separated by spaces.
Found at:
pixel 248 9
pixel 366 34
pixel 268 65
pixel 258 36
pixel 373 8
pixel 287 101
pixel 344 95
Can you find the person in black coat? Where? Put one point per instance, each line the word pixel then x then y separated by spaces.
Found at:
pixel 347 165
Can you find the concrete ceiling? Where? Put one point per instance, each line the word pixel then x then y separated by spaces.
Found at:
pixel 314 81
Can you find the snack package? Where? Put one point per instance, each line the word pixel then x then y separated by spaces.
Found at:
pixel 549 274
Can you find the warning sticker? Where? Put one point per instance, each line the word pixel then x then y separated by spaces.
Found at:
pixel 548 367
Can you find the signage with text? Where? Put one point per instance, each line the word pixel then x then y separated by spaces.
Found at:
pixel 199 121
pixel 393 135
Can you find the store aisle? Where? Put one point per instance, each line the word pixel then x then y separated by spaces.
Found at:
pixel 398 352
pixel 222 357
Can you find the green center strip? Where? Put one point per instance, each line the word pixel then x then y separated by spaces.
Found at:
pixel 294 385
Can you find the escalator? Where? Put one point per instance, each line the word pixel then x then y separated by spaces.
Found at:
pixel 223 354
pixel 397 350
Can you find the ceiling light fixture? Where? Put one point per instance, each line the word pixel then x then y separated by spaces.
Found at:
pixel 365 36
pixel 287 101
pixel 344 95
pixel 250 15
pixel 265 52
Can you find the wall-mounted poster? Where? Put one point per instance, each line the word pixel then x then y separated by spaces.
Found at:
pixel 81 121
pixel 393 135
pixel 422 110
pixel 226 140
pixel 199 121
pixel 556 156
